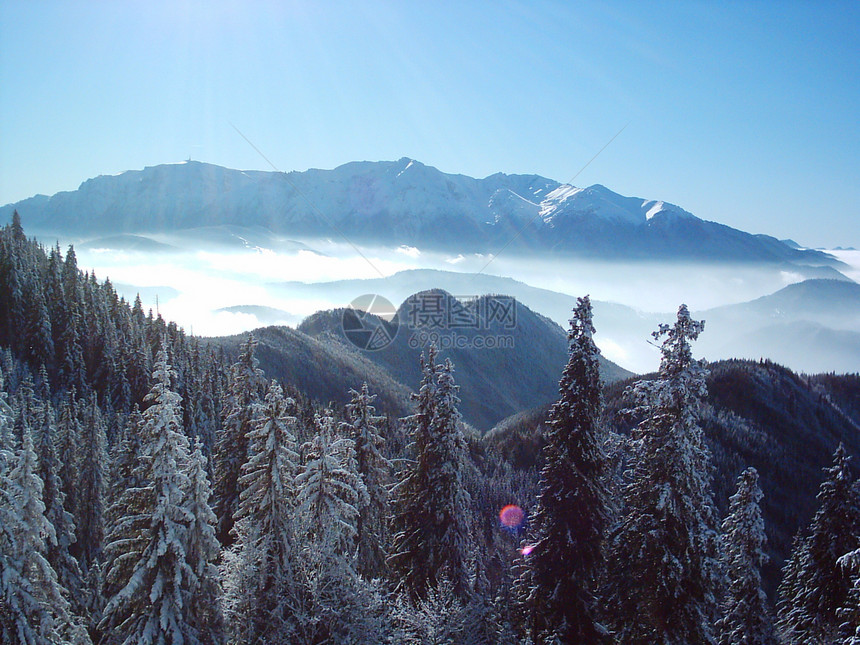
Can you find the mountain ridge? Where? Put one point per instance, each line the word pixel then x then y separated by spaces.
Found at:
pixel 495 382
pixel 402 202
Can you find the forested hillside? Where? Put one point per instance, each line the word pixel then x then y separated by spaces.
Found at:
pixel 756 414
pixel 156 488
pixel 318 358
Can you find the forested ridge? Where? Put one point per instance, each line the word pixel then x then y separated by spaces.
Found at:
pixel 155 489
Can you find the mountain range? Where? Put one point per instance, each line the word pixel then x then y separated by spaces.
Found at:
pixel 401 202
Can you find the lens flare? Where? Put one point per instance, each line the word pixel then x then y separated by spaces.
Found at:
pixel 512 516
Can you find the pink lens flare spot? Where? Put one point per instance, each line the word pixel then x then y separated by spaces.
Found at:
pixel 527 549
pixel 512 516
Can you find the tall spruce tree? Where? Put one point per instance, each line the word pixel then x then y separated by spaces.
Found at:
pixel 201 551
pixel 92 483
pixel 430 531
pixel 259 577
pixel 814 586
pixel 745 614
pixel 559 577
pixel 241 409
pixel 58 544
pixel 7 437
pixel 664 551
pixel 374 469
pixel 330 492
pixel 33 605
pixel 130 503
pixel 68 442
pixel 153 607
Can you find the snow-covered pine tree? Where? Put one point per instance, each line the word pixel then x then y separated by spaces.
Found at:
pixel 35 332
pixel 430 531
pixel 664 551
pixel 437 617
pixel 93 464
pixel 33 607
pixel 7 438
pixel 259 581
pixel 849 614
pixel 129 506
pixel 330 492
pixel 241 408
pixel 559 577
pixel 410 549
pixel 203 417
pixel 153 607
pixel 27 409
pixel 374 470
pixel 57 551
pixel 745 614
pixel 814 586
pixel 202 549
pixel 70 355
pixel 68 440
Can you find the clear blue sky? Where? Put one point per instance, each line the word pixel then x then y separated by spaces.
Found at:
pixel 746 113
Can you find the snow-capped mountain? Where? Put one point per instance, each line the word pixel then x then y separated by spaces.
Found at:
pixel 400 202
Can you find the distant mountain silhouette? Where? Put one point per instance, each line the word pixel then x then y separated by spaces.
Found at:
pixel 495 382
pixel 401 202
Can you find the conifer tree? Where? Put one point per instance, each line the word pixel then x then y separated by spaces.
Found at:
pixel 33 607
pixel 57 545
pixel 70 354
pixel 27 409
pixel 153 606
pixel 430 529
pixel 17 230
pixel 814 586
pixel 92 483
pixel 68 441
pixel 241 408
pixel 374 470
pixel 849 614
pixel 202 549
pixel 559 576
pixel 7 438
pixel 130 503
pixel 745 615
pixel 260 590
pixel 330 492
pixel 665 572
pixel 36 332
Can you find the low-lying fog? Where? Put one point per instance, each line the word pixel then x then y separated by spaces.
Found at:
pixel 233 282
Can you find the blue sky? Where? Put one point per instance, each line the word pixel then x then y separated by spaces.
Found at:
pixel 744 113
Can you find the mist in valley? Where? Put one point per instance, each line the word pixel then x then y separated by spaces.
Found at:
pixel 226 280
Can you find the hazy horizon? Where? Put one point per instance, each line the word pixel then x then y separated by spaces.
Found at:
pixel 194 284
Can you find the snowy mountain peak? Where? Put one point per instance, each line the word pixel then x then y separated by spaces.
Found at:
pixel 664 210
pixel 593 203
pixel 401 202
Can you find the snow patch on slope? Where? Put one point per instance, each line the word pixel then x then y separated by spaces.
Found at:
pixel 664 209
pixel 555 198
